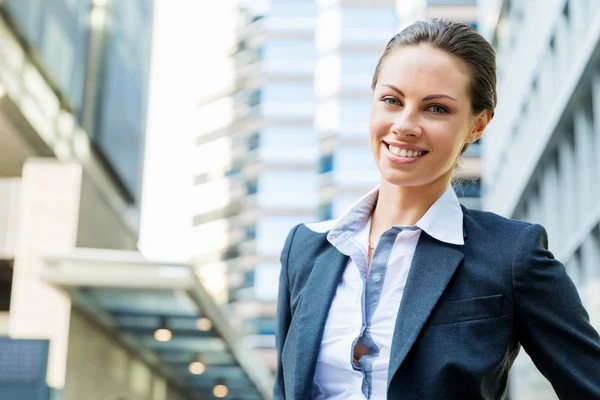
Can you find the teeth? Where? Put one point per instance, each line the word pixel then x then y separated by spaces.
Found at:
pixel 405 153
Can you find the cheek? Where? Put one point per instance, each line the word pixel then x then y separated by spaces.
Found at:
pixel 377 123
pixel 451 136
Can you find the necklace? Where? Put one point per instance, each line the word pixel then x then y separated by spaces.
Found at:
pixel 371 246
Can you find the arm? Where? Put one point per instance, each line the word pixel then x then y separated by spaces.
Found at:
pixel 284 315
pixel 551 322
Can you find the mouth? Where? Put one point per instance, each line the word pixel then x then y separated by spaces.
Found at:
pixel 406 152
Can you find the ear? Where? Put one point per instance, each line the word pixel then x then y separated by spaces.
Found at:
pixel 479 125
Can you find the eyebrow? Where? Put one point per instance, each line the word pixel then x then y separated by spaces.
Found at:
pixel 426 98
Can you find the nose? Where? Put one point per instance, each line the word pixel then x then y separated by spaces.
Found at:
pixel 406 123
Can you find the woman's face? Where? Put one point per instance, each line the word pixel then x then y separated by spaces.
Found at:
pixel 421 116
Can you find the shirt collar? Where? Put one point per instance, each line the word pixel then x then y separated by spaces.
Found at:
pixel 443 221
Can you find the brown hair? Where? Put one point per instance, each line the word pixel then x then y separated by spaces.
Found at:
pixel 461 41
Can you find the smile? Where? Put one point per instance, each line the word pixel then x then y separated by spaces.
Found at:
pixel 403 154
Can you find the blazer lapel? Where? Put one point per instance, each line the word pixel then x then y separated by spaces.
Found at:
pixel 433 265
pixel 318 294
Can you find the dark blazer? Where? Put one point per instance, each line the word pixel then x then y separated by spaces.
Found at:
pixel 465 312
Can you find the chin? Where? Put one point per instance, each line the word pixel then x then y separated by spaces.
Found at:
pixel 399 178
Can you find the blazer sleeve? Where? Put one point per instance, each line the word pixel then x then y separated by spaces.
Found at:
pixel 284 315
pixel 552 324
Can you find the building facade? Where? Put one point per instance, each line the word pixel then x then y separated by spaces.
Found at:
pixel 542 151
pixel 73 90
pixel 82 314
pixel 256 165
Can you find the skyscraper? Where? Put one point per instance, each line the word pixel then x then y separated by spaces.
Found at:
pixel 256 175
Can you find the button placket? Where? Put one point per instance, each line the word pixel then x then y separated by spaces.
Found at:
pixel 373 287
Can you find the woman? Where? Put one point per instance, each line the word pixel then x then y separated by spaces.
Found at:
pixel 409 295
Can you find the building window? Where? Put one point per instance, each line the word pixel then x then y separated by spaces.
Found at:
pixel 254 98
pixel 252 188
pixel 249 278
pixel 254 142
pixel 230 253
pixel 326 164
pixel 232 171
pixel 251 232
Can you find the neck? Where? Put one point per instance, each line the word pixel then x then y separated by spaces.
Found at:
pixel 404 205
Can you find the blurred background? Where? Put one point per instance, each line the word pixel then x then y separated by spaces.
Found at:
pixel 155 153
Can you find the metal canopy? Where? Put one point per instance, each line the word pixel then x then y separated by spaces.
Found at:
pixel 134 297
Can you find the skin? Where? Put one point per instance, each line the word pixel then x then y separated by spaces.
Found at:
pixel 421 99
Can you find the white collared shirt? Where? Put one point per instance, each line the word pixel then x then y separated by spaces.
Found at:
pixel 366 306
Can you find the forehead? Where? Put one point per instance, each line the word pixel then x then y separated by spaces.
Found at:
pixel 418 69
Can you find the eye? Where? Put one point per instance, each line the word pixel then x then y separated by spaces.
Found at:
pixel 437 109
pixel 392 101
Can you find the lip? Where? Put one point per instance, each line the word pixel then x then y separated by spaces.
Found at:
pixel 401 160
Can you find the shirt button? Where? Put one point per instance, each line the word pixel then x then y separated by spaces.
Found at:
pixel 376 277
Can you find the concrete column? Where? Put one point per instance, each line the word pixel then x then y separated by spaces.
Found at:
pixel 596 127
pixel 590 257
pixel 50 193
pixel 564 51
pixel 566 172
pixel 573 267
pixel 9 210
pixel 584 150
pixel 551 205
pixel 578 20
pixel 535 210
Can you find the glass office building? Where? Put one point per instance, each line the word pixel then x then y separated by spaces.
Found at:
pixel 256 174
pixel 541 152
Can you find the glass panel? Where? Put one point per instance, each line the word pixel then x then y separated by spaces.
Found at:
pixel 121 122
pixel 272 231
pixel 290 56
pixel 58 30
pixel 354 165
pixel 289 99
pixel 288 189
pixel 288 144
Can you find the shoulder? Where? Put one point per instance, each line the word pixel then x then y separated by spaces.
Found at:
pixel 303 246
pixel 505 233
pixel 307 238
pixel 478 223
pixel 305 243
pixel 502 235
